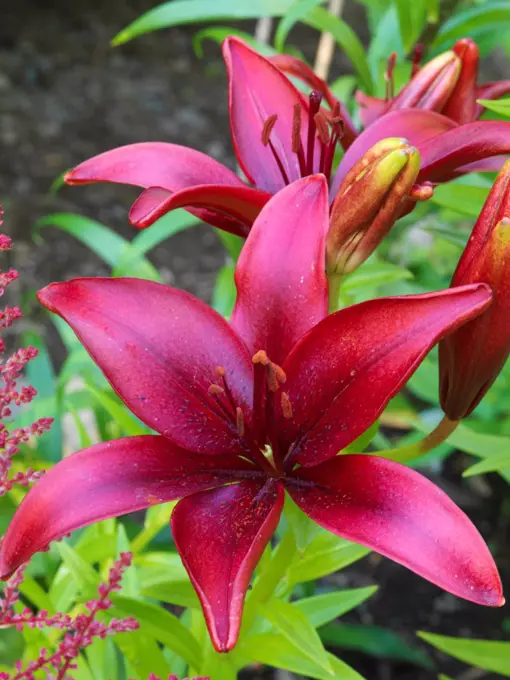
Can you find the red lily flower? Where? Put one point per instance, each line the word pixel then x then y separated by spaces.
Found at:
pixel 472 357
pixel 447 84
pixel 247 411
pixel 278 136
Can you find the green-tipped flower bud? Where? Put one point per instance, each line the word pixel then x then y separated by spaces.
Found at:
pixel 369 202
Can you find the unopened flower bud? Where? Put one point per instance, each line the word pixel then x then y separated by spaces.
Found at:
pixel 461 105
pixel 368 203
pixel 471 358
pixel 432 85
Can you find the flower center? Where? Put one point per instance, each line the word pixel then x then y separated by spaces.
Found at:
pixel 323 126
pixel 256 430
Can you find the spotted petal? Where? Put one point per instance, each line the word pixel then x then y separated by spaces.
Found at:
pixel 221 535
pixel 108 480
pixel 400 514
pixel 159 348
pixel 343 373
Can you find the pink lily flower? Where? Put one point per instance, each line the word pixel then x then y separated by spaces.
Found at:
pixel 280 136
pixel 247 412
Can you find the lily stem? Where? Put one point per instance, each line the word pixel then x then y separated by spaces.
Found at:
pixel 403 454
pixel 334 281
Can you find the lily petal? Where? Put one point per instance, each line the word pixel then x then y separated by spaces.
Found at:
pixel 153 164
pixel 108 480
pixel 258 90
pixel 241 203
pixel 221 535
pixel 159 348
pixel 451 150
pixel 370 108
pixel 343 373
pixel 402 515
pixel 417 126
pixel 281 283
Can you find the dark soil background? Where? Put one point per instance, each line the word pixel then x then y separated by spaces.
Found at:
pixel 66 95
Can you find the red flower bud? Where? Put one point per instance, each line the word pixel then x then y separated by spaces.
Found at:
pixel 471 358
pixel 369 202
pixel 461 106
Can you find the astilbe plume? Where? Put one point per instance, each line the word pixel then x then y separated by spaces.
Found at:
pixel 79 631
pixel 10 393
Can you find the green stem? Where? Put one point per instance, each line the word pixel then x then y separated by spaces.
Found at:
pixel 334 292
pixel 403 454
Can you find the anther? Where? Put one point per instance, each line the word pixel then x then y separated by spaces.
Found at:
pixel 240 421
pixel 417 55
pixel 296 129
pixel 260 358
pixel 215 390
pixel 322 127
pixel 220 371
pixel 268 128
pixel 273 383
pixel 280 373
pixel 286 406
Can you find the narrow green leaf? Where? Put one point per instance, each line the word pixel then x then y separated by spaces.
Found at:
pixel 224 294
pixel 156 518
pixel 118 412
pixel 293 624
pixel 501 106
pixel 296 12
pixel 486 654
pixel 180 593
pixel 323 20
pixel 405 23
pixel 474 22
pixel 304 529
pixel 180 12
pixel 321 609
pixel 326 554
pixel 464 199
pixel 364 440
pixel 161 625
pixel 372 275
pixel 219 33
pixel 85 577
pixel 102 659
pixel 143 653
pixel 499 461
pixel 373 640
pixel 273 649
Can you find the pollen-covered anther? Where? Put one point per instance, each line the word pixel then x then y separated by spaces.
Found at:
pixel 260 357
pixel 286 406
pixel 240 421
pixel 296 129
pixel 269 124
pixel 322 127
pixel 215 390
pixel 220 371
pixel 421 192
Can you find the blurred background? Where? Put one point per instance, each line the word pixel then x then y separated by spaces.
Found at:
pixel 66 95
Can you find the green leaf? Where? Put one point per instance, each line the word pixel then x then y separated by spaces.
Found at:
pixel 161 625
pixel 486 654
pixel 276 650
pixel 143 653
pixel 322 20
pixel 326 554
pixel 405 23
pixel 373 640
pixel 296 12
pixel 501 106
pixel 156 518
pixel 451 235
pixel 180 593
pixel 293 624
pixel 474 22
pixel 118 412
pixel 303 528
pixel 224 294
pixel 495 463
pixel 102 659
pixel 464 199
pixel 180 12
pixel 363 441
pixel 219 33
pixel 386 39
pixel 85 577
pixel 321 609
pixel 374 274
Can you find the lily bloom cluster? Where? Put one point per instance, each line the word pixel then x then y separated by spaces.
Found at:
pixel 11 370
pixel 248 411
pixel 279 136
pixel 79 631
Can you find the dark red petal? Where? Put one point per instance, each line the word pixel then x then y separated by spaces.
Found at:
pixel 447 152
pixel 370 108
pixel 342 374
pixel 280 276
pixel 492 164
pixel 242 203
pixel 107 480
pixel 153 164
pixel 258 90
pixel 417 126
pixel 402 515
pixel 461 106
pixel 159 348
pixel 299 69
pixel 220 535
